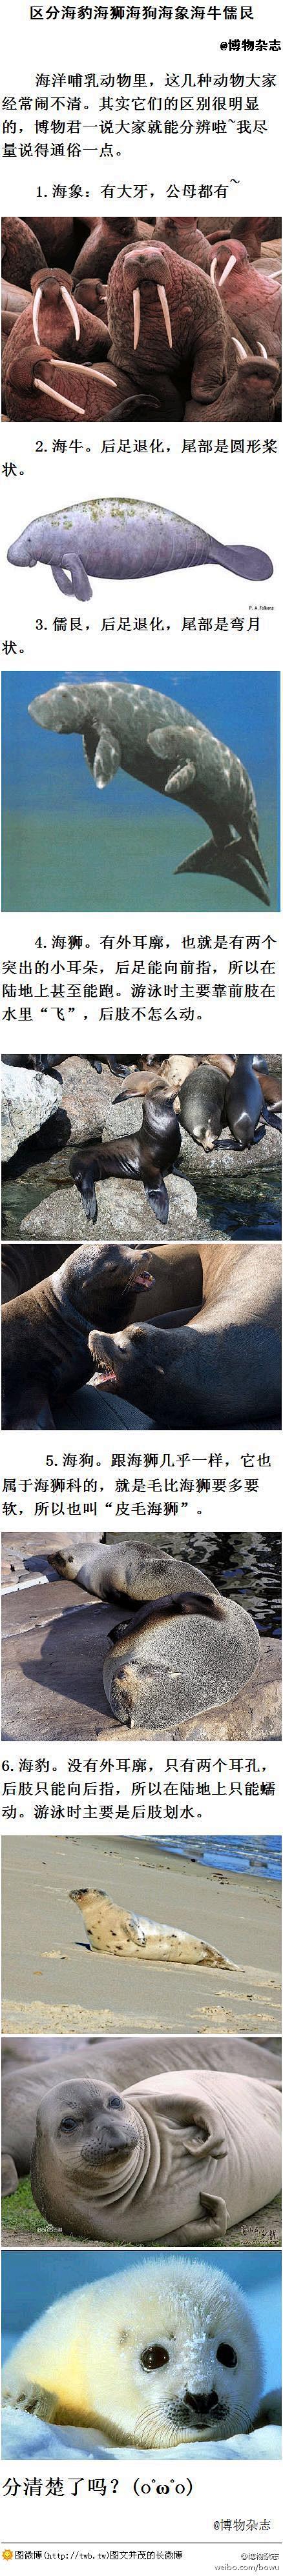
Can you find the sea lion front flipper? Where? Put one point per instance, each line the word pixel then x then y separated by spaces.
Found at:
pixel 107 757
pixel 159 1201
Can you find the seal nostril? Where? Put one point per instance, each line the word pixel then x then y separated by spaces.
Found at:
pixel 200 2403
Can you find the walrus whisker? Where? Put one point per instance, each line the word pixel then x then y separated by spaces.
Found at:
pixel 72 309
pixel 35 313
pixel 137 314
pixel 44 388
pixel 161 291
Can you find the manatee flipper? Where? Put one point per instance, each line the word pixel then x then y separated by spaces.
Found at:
pixel 159 1201
pixel 79 584
pixel 227 860
pixel 107 757
pixel 180 779
pixel 62 580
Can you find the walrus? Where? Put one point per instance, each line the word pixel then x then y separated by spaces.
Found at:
pixel 244 1104
pixel 252 300
pixel 176 2159
pixel 120 1935
pixel 201 1105
pixel 20 250
pixel 100 249
pixel 144 1157
pixel 223 1369
pixel 124 540
pixel 185 235
pixel 45 1332
pixel 179 1656
pixel 37 360
pixel 161 2353
pixel 165 314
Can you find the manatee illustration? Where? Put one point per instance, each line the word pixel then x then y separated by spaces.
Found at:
pixel 122 540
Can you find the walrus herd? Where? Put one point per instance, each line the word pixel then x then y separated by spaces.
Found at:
pixel 129 319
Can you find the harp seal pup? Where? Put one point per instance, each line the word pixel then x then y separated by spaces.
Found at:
pixel 162 2353
pixel 122 1935
pixel 176 2159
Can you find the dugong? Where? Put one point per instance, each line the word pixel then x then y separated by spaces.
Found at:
pixel 122 540
pixel 176 2159
pixel 152 2357
pixel 121 1935
pixel 156 740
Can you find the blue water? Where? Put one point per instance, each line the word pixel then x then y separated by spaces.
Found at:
pixel 62 841
pixel 259 1856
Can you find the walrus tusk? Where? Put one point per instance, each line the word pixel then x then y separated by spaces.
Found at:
pixel 35 313
pixel 242 353
pixel 87 371
pixel 137 314
pixel 43 388
pixel 161 291
pixel 263 351
pixel 230 263
pixel 68 299
pixel 213 268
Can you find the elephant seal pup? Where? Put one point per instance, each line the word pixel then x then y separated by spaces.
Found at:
pixel 244 1104
pixel 161 2354
pixel 201 1105
pixel 178 2158
pixel 121 1935
pixel 178 1657
pixel 45 1332
pixel 144 1157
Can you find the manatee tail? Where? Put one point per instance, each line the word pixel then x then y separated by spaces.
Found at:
pixel 246 561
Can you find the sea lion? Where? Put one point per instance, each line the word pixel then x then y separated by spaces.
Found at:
pixel 122 1569
pixel 124 540
pixel 176 2159
pixel 156 740
pixel 161 2353
pixel 165 315
pixel 224 1368
pixel 144 1157
pixel 180 1654
pixel 244 1105
pixel 45 1344
pixel 201 1105
pixel 120 1935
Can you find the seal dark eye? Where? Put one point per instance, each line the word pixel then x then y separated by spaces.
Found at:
pixel 226 2354
pixel 68 2123
pixel 155 2356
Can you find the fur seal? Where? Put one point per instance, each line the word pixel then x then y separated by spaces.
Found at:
pixel 157 741
pixel 201 1104
pixel 176 2159
pixel 121 1569
pixel 161 2353
pixel 45 1332
pixel 224 1368
pixel 179 1656
pixel 144 1157
pixel 244 1105
pixel 121 1935
pixel 124 540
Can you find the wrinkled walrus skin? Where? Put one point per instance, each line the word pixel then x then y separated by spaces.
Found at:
pixel 162 2353
pixel 122 540
pixel 45 1332
pixel 176 2159
pixel 120 1935
pixel 157 741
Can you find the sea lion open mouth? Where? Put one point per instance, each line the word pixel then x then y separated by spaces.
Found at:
pixel 152 262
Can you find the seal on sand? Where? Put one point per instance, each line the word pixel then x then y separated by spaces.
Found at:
pixel 162 2352
pixel 144 1157
pixel 45 1332
pixel 121 1935
pixel 177 2158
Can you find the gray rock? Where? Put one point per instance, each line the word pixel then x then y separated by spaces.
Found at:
pixel 124 1214
pixel 84 1097
pixel 264 1154
pixel 28 1099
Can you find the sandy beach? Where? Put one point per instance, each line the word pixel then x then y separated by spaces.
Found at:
pixel 52 1982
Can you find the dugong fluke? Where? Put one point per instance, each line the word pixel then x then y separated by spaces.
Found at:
pixel 126 725
pixel 121 540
